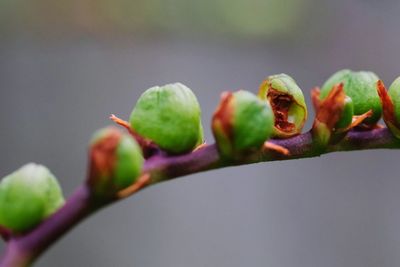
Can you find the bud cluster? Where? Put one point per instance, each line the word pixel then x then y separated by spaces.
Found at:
pixel 169 116
pixel 350 100
pixel 168 119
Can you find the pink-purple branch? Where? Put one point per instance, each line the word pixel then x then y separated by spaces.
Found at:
pixel 22 250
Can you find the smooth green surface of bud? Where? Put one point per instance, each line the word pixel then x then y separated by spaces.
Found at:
pixel 287 102
pixel 116 161
pixel 242 122
pixel 347 114
pixel 28 196
pixel 361 87
pixel 170 116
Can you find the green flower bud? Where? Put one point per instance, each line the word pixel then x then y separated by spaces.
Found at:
pixel 287 102
pixel 115 161
pixel 361 88
pixel 241 123
pixel 170 116
pixel 28 196
pixel 334 116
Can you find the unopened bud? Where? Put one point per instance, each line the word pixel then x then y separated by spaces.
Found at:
pixel 361 87
pixel 115 162
pixel 241 123
pixel 28 196
pixel 169 116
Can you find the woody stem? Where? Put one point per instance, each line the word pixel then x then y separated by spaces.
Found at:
pixel 22 250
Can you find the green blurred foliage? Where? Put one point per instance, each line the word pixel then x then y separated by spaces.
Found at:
pixel 233 17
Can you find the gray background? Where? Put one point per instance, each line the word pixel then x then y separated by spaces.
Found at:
pixel 62 73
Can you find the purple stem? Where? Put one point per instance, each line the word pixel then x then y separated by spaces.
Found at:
pixel 24 249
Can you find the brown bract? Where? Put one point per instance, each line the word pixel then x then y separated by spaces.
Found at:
pixel 223 116
pixel 315 95
pixel 139 184
pixel 102 157
pixel 387 104
pixel 330 109
pixel 148 147
pixel 280 104
pixel 277 148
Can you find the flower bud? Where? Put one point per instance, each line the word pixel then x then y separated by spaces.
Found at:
pixel 287 102
pixel 170 116
pixel 334 116
pixel 28 196
pixel 115 162
pixel 361 87
pixel 335 111
pixel 241 123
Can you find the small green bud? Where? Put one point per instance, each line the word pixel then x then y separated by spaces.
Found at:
pixel 361 87
pixel 287 102
pixel 242 122
pixel 334 116
pixel 115 161
pixel 28 196
pixel 170 116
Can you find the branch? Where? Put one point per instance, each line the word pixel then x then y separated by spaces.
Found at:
pixel 301 146
pixel 23 250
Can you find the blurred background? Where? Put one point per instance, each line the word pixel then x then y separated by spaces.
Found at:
pixel 66 65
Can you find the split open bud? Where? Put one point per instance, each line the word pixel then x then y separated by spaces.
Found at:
pixel 169 116
pixel 241 123
pixel 361 87
pixel 287 102
pixel 391 105
pixel 115 162
pixel 27 197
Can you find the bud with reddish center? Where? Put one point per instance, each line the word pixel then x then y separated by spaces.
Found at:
pixel 116 162
pixel 287 102
pixel 241 124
